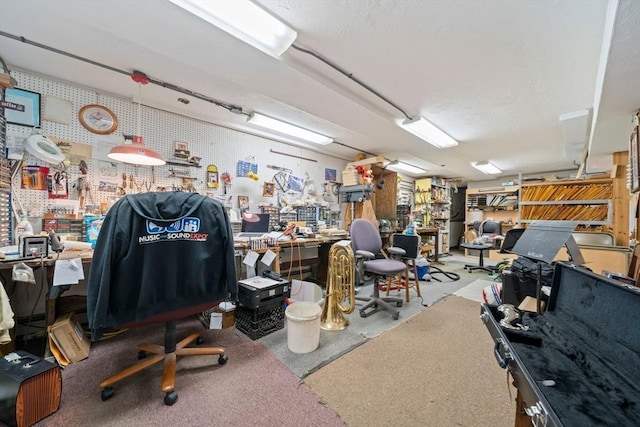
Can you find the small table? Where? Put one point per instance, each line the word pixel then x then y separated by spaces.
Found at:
pixel 53 292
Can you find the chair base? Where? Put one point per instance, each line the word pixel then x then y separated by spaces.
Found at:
pixel 168 354
pixel 471 268
pixel 379 303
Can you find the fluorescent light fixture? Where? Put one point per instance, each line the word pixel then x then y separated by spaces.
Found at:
pixel 575 126
pixel 405 167
pixel 288 129
pixel 486 167
pixel 244 20
pixel 423 129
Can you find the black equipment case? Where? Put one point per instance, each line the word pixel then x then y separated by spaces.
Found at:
pixel 253 293
pixel 578 364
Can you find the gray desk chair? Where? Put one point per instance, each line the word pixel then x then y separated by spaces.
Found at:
pixel 366 244
pixel 481 239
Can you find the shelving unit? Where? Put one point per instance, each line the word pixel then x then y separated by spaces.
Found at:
pixel 180 162
pixel 6 222
pixel 433 207
pixel 312 215
pixel 590 202
pixel 496 203
pixel 383 200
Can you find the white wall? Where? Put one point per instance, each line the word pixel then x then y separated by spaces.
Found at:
pixel 214 144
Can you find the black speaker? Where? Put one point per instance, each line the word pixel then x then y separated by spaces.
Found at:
pixel 30 388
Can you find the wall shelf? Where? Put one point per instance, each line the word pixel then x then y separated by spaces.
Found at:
pixel 432 201
pixel 589 202
pixel 496 203
pixel 178 162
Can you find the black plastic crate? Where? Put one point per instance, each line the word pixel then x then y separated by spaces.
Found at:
pixel 255 324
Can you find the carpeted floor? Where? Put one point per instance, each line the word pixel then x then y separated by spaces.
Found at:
pixel 334 344
pixel 428 371
pixel 434 366
pixel 252 388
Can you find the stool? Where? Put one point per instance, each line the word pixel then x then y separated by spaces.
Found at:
pixel 411 246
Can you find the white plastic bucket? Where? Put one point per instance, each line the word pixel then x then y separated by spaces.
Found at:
pixel 305 291
pixel 303 326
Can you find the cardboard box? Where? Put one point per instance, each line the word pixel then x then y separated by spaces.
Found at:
pixel 531 304
pixel 68 336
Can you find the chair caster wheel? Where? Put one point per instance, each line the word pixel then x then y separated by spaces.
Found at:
pixel 142 354
pixel 363 314
pixel 222 359
pixel 395 316
pixel 399 304
pixel 107 393
pixel 171 398
pixel 199 340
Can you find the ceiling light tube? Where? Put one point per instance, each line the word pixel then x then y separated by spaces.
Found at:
pixel 486 167
pixel 405 167
pixel 288 129
pixel 425 130
pixel 244 20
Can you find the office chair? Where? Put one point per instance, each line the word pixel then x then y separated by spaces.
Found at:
pixel 366 244
pixel 160 257
pixel 482 238
pixel 411 246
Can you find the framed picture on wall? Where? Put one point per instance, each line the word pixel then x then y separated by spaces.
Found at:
pixel 181 150
pixel 22 107
pixel 268 189
pixel 243 202
pixel 634 159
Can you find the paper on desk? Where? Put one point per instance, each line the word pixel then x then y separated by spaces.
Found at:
pixel 250 259
pixel 259 282
pixel 68 272
pixel 268 257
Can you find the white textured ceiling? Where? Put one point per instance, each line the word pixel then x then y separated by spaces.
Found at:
pixel 495 75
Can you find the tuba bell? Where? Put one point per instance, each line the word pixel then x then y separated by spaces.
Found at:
pixel 341 292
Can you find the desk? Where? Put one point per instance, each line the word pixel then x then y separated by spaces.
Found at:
pixel 287 250
pixel 51 293
pixel 435 232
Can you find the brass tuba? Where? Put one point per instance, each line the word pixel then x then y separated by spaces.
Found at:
pixel 340 287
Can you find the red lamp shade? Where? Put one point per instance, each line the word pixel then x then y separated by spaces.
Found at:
pixel 136 153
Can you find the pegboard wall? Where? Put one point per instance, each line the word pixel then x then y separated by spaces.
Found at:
pixel 161 130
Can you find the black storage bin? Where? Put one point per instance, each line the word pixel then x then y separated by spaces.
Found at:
pixel 257 323
pixel 523 279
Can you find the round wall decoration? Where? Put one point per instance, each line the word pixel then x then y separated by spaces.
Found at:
pixel 98 119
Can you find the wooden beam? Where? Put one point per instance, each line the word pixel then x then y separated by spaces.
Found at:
pixel 367 161
pixel 621 200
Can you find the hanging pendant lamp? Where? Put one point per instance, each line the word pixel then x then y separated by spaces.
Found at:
pixel 136 153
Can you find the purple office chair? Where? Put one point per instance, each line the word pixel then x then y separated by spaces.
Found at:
pixel 366 243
